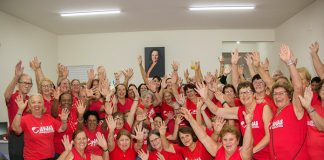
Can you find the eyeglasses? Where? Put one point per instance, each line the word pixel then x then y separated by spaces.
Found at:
pixel 47 86
pixel 279 93
pixel 26 83
pixel 154 140
pixel 228 92
pixel 246 93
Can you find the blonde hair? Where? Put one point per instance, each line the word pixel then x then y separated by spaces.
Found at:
pixel 29 102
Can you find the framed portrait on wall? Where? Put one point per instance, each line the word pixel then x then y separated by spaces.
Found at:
pixel 155 61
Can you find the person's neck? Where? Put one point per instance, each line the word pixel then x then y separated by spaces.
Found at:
pixel 22 94
pixel 47 96
pixel 75 94
pixel 250 107
pixel 192 146
pixel 159 149
pixel 80 151
pixel 37 115
pixel 260 95
pixel 228 154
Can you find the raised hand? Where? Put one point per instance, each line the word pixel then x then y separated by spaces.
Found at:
pixel 240 70
pixel 80 107
pixel 117 75
pixel 162 129
pixel 248 59
pixel 218 124
pixel 19 69
pixel 181 99
pixel 128 72
pixel 175 66
pixel 221 59
pixel 140 60
pixel 35 64
pixel 20 102
pixel 307 99
pixel 200 103
pixel 235 57
pixel 143 155
pixel 256 58
pixel 186 74
pixel 66 143
pixel 209 78
pixel 219 96
pixel 314 48
pixel 174 77
pixel 139 132
pixel 57 93
pixel 101 141
pixel 178 119
pixel 248 117
pixel 202 90
pixel 104 88
pixel 265 64
pixel 285 54
pixel 101 73
pixel 89 92
pixel 64 114
pixel 227 70
pixel 108 108
pixel 163 83
pixel 184 112
pixel 111 123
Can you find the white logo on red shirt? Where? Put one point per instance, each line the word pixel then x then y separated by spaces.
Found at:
pixel 92 142
pixel 255 124
pixel 277 124
pixel 311 123
pixel 43 129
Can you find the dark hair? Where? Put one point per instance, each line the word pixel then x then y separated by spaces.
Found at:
pixel 68 93
pixel 230 129
pixel 154 49
pixel 125 133
pixel 75 80
pixel 92 82
pixel 158 115
pixel 120 114
pixel 256 77
pixel 316 79
pixel 90 113
pixel 189 86
pixel 318 88
pixel 187 130
pixel 245 84
pixel 289 89
pixel 75 133
pixel 155 132
pixel 139 88
pixel 229 86
pixel 130 85
pixel 60 81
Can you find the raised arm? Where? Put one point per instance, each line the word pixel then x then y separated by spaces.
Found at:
pixel 112 126
pixel 68 147
pixel 131 115
pixel 287 57
pixel 318 64
pixel 247 147
pixel 143 73
pixel 103 144
pixel 235 75
pixel 128 74
pixel 165 143
pixel 139 136
pixel 306 103
pixel 54 110
pixel 64 116
pixel 35 65
pixel 249 62
pixel 11 87
pixel 263 73
pixel 208 142
pixel 17 120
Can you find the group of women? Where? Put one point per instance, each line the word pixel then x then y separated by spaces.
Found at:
pixel 268 117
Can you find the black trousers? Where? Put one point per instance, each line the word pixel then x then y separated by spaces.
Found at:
pixel 16 146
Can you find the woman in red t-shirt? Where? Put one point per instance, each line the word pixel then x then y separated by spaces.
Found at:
pixel 75 150
pixel 230 137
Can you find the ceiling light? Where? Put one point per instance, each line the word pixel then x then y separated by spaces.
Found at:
pixel 221 8
pixel 238 42
pixel 89 13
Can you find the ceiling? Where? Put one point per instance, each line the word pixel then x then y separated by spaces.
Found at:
pixel 150 15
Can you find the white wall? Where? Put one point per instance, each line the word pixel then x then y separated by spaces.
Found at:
pixel 119 50
pixel 22 41
pixel 301 30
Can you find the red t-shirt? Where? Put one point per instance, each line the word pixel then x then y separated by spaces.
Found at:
pixel 72 124
pixel 48 105
pixel 315 138
pixel 288 135
pixel 93 147
pixel 118 154
pixel 192 107
pixel 150 112
pixel 13 107
pixel 199 153
pixel 39 136
pixel 96 106
pixel 125 107
pixel 258 130
pixel 269 101
pixel 77 156
pixel 220 154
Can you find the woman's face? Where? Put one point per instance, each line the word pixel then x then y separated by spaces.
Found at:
pixel 65 86
pixel 83 95
pixel 155 56
pixel 229 92
pixel 157 82
pixel 131 93
pixel 246 96
pixel 143 88
pixel 167 97
pixel 36 105
pixel 66 101
pixel 280 97
pixel 76 87
pixel 92 123
pixel 155 142
pixel 80 141
pixel 147 100
pixel 46 88
pixel 119 122
pixel 123 142
pixel 95 84
pixel 259 85
pixel 169 83
pixel 121 91
pixel 186 139
pixel 230 142
pixel 157 122
pixel 305 83
pixel 190 93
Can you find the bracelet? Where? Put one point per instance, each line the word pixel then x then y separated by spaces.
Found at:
pixel 290 62
pixel 224 103
pixel 105 150
pixel 311 111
